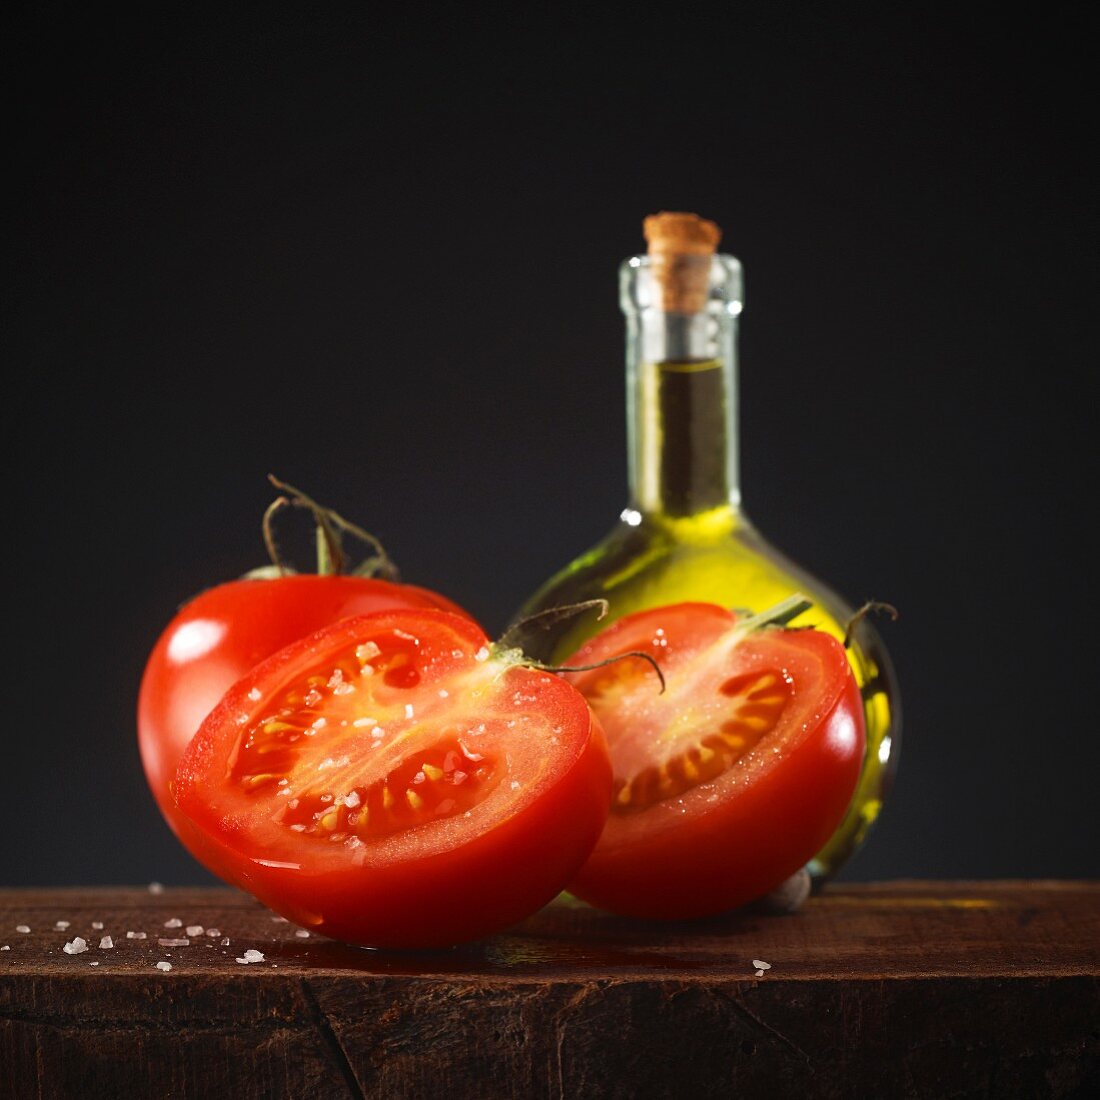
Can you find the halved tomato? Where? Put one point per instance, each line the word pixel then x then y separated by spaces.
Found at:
pixel 394 781
pixel 732 779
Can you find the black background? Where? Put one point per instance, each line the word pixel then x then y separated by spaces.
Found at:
pixel 380 259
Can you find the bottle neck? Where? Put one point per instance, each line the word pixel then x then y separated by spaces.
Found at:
pixel 682 395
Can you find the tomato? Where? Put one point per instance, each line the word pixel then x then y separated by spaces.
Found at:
pixel 732 779
pixel 394 781
pixel 220 636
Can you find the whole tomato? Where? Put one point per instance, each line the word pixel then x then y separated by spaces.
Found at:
pixel 221 635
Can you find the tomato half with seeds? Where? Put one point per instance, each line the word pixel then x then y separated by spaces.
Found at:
pixel 732 779
pixel 395 781
pixel 222 634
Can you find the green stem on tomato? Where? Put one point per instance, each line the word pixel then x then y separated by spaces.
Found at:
pixel 779 615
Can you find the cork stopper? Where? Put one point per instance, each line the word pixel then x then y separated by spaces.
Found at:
pixel 680 248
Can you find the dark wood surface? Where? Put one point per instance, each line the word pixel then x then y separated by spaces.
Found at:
pixel 892 989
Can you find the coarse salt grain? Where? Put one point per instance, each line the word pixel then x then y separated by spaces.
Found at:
pixel 351 800
pixel 194 929
pixel 225 942
pixel 5 948
pixel 155 888
pixel 175 922
pixel 135 935
pixel 302 934
pixel 254 956
pixel 97 925
pixel 212 932
pixel 95 963
pixel 106 943
pixel 255 695
pixel 408 710
pixel 164 966
pixel 22 928
pixel 76 947
pixel 761 966
pixel 61 925
pixel 173 943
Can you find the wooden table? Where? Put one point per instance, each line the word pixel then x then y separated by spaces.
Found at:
pixel 893 989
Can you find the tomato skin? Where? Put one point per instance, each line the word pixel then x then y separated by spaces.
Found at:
pixel 431 896
pixel 749 838
pixel 470 892
pixel 222 634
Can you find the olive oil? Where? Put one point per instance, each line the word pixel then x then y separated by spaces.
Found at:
pixel 685 535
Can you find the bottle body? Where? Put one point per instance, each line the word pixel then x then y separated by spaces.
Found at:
pixel 685 535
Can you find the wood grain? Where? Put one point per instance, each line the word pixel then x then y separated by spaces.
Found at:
pixel 892 989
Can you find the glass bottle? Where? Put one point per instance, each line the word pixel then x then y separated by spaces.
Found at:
pixel 684 535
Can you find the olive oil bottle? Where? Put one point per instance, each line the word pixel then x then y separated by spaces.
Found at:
pixel 684 535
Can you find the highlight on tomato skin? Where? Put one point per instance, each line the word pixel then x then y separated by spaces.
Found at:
pixel 731 780
pixel 394 781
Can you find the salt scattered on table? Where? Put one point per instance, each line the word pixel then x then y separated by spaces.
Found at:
pixel 135 935
pixel 214 933
pixel 76 947
pixel 95 963
pixel 97 925
pixel 251 956
pixel 174 922
pixel 194 929
pixel 164 966
pixel 22 928
pixel 302 934
pixel 106 943
pixel 61 925
pixel 225 942
pixel 5 948
pixel 173 943
pixel 156 888
pixel 761 966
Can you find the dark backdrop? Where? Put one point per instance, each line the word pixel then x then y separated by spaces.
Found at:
pixel 381 261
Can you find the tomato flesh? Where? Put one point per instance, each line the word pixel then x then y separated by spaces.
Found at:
pixel 733 778
pixel 391 781
pixel 222 634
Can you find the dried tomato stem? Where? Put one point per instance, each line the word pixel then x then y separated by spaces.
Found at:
pixel 600 664
pixel 870 606
pixel 513 637
pixel 269 533
pixel 330 551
